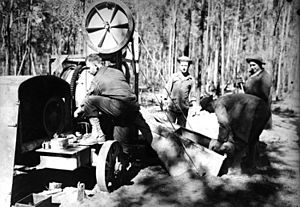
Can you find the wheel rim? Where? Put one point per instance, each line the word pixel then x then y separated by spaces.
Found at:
pixel 108 26
pixel 106 164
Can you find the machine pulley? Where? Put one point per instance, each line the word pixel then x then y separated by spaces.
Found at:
pixel 108 26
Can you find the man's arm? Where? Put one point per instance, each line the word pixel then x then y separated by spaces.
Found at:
pixel 225 132
pixel 90 92
pixel 192 95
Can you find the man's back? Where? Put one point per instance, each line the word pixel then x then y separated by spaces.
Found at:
pixel 241 110
pixel 111 82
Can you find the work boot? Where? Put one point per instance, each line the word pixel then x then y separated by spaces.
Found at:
pixel 96 136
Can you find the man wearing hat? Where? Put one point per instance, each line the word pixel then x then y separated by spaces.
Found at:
pixel 260 81
pixel 241 119
pixel 180 92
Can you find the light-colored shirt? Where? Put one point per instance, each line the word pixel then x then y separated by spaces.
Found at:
pixel 182 91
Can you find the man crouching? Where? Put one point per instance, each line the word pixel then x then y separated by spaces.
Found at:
pixel 241 118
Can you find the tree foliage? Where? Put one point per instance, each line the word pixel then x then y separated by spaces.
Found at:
pixel 216 34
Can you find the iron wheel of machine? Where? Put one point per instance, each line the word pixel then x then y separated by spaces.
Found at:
pixel 108 164
pixel 78 69
pixel 108 26
pixel 67 73
pixel 54 115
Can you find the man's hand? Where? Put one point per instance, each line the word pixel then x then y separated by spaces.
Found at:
pixel 163 102
pixel 228 148
pixel 215 145
pixel 78 111
pixel 194 109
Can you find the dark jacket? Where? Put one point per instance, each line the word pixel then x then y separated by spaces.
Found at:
pixel 111 82
pixel 241 116
pixel 259 85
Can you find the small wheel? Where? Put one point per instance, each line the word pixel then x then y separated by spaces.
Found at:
pixel 108 165
pixel 108 26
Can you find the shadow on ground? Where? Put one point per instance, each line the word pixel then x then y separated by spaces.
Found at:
pixel 273 184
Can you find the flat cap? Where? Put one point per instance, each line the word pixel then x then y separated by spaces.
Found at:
pixel 184 59
pixel 255 58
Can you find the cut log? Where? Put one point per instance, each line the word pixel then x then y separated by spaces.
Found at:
pixel 182 154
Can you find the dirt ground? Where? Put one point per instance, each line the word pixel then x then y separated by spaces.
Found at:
pixel 276 183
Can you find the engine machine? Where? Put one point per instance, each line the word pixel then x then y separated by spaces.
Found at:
pixel 37 108
pixel 109 31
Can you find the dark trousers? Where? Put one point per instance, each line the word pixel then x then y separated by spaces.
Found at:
pixel 261 117
pixel 179 116
pixel 118 120
pixel 105 105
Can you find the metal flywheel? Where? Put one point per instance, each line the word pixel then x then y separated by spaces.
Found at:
pixel 108 26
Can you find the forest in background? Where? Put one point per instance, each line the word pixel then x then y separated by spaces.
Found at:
pixel 217 34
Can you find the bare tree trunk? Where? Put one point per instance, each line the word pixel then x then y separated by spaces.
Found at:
pixel 175 9
pixel 253 44
pixel 33 70
pixel 188 50
pixel 222 47
pixel 26 44
pixel 172 37
pixel 237 42
pixel 296 88
pixel 205 62
pixel 216 66
pixel 211 44
pixel 228 75
pixel 170 51
pixel 280 61
pixel 8 40
pixel 288 64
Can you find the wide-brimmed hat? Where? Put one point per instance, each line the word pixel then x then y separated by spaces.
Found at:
pixel 185 59
pixel 204 102
pixel 256 59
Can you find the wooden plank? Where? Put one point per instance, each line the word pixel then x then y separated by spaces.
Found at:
pixel 9 86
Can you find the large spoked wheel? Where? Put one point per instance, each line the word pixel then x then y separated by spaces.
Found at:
pixel 109 166
pixel 108 26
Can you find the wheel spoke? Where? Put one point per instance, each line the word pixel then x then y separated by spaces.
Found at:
pixel 121 26
pixel 115 39
pixel 114 13
pixel 98 12
pixel 102 39
pixel 94 29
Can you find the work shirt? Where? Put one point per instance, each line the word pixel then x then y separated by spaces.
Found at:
pixel 110 82
pixel 182 91
pixel 236 114
pixel 259 84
